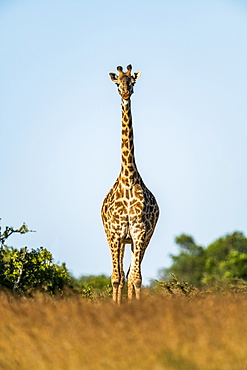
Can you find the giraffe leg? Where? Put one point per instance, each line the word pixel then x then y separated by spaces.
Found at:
pixel 117 278
pixel 121 271
pixel 130 275
pixel 135 277
pixel 134 285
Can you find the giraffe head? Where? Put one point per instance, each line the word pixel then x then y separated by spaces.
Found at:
pixel 125 81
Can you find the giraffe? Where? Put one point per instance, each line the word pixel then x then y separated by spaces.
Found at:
pixel 129 211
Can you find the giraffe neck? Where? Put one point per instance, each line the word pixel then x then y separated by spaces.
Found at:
pixel 128 169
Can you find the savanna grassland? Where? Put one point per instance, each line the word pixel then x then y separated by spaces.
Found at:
pixel 159 332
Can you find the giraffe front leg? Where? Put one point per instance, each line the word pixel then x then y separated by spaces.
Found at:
pixel 135 277
pixel 121 271
pixel 117 286
pixel 130 275
pixel 117 278
pixel 134 284
pixel 120 289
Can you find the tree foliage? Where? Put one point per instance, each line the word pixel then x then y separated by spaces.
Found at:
pixel 9 230
pixel 222 262
pixel 29 270
pixel 93 286
pixel 23 270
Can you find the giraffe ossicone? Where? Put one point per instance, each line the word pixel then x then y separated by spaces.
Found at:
pixel 129 211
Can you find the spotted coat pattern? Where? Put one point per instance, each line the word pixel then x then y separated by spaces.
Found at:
pixel 130 211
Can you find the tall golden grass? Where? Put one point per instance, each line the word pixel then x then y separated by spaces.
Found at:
pixel 156 333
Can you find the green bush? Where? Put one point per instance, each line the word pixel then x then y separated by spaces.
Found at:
pixel 24 271
pixel 223 262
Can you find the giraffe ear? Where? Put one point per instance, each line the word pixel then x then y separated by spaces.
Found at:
pixel 136 76
pixel 113 77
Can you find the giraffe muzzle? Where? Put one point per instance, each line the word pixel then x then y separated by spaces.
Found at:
pixel 126 95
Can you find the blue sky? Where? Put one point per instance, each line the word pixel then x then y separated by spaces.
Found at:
pixel 61 121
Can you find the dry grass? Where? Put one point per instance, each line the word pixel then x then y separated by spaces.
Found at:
pixel 156 333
